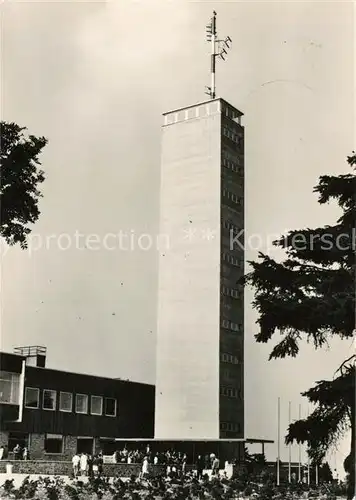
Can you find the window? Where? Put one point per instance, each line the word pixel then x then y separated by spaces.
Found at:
pixel 225 323
pixel 81 403
pixel 85 445
pixel 49 399
pixel 230 426
pixel 65 401
pixel 233 165
pixel 237 200
pixel 230 392
pixel 231 292
pixel 32 398
pixel 234 261
pixel 233 229
pixel 233 135
pixel 110 407
pixel 9 387
pixel 229 358
pixel 230 325
pixel 53 443
pixel 96 406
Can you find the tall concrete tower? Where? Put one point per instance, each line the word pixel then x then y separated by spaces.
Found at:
pixel 200 331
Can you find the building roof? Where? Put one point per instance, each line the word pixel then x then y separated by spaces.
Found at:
pixel 176 110
pixel 91 375
pixel 253 440
pixel 23 357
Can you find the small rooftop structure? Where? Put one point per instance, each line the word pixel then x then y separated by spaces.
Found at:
pixel 32 350
pixel 35 355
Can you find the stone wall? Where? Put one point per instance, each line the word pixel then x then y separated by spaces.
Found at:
pixel 64 468
pixel 36 446
pixel 70 447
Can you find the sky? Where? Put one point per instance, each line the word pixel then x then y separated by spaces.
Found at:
pixel 95 78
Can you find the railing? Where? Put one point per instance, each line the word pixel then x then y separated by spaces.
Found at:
pixel 33 350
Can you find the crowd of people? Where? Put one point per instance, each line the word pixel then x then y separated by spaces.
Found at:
pixel 170 458
pixel 20 453
pixel 87 465
pixel 175 462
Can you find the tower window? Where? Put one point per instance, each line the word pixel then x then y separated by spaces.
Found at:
pixel 234 261
pixel 230 426
pixel 230 292
pixel 229 358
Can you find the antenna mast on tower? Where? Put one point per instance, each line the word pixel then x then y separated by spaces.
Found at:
pixel 218 49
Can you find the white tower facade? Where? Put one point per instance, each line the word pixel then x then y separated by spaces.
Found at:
pixel 199 358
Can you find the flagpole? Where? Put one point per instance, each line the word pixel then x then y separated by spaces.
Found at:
pixel 289 446
pixel 279 438
pixel 308 459
pixel 300 452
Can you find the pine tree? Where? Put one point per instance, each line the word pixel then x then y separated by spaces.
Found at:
pixel 19 176
pixel 310 296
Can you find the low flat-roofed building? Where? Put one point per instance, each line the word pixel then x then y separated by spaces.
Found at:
pixel 56 413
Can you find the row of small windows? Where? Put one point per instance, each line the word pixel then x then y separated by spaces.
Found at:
pixel 229 358
pixel 230 292
pixel 237 200
pixel 234 261
pixel 53 443
pixel 231 134
pixel 230 426
pixel 231 227
pixel 230 325
pixel 231 392
pixel 230 113
pixel 232 165
pixel 98 404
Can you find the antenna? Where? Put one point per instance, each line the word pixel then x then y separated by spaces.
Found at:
pixel 218 49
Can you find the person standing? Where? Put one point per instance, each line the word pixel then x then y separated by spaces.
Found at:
pixel 17 452
pixel 95 466
pixel 200 467
pixel 168 470
pixel 90 466
pixel 1 452
pixel 100 464
pixel 75 464
pixel 215 466
pixel 83 464
pixel 184 464
pixel 144 470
